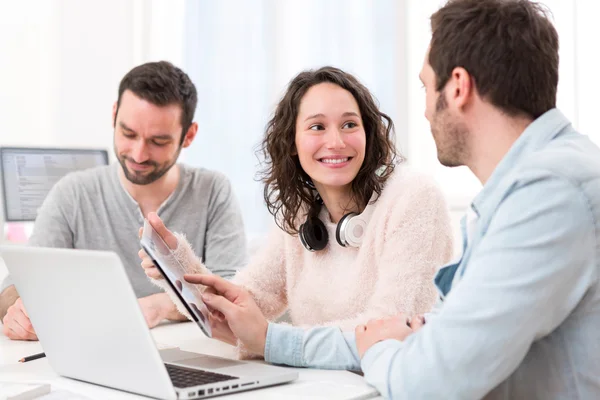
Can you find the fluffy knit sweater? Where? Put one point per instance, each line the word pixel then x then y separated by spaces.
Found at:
pixel 407 238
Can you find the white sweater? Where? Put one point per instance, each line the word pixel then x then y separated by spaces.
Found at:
pixel 407 238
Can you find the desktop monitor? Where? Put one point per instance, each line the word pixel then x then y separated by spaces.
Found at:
pixel 28 174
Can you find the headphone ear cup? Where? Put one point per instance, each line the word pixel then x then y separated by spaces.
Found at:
pixel 350 230
pixel 313 234
pixel 340 231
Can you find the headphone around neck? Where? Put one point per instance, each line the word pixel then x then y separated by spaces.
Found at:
pixel 349 232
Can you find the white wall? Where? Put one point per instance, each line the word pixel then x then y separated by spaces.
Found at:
pixel 241 55
pixel 62 62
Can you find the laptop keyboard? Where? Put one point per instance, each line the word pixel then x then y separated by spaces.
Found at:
pixel 186 377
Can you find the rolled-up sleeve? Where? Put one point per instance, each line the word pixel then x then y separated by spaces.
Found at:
pixel 321 347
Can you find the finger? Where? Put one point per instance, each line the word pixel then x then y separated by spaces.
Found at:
pixel 360 329
pixel 220 303
pixel 140 232
pixel 142 254
pixel 153 273
pixel 212 320
pixel 162 230
pixel 146 260
pixel 402 318
pixel 12 334
pixel 417 322
pixel 16 332
pixel 211 291
pixel 21 307
pixel 6 330
pixel 374 323
pixel 216 319
pixel 220 285
pixel 21 319
pixel 217 315
pixel 147 264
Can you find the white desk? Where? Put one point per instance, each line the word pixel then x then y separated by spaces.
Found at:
pixel 185 335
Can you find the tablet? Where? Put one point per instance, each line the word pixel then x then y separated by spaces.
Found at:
pixel 172 270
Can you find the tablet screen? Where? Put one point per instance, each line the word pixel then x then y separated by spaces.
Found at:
pixel 173 271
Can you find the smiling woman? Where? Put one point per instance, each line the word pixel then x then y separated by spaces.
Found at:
pixel 331 171
pixel 326 134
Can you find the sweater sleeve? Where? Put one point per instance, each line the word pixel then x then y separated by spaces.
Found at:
pixel 265 279
pixel 416 241
pixel 265 276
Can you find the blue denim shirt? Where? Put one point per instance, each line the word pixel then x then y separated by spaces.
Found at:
pixel 520 310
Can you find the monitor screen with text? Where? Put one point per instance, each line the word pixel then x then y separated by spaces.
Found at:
pixel 28 174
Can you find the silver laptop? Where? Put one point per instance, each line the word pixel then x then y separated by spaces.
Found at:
pixel 87 318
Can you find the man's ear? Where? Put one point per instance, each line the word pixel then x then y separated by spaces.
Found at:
pixel 114 114
pixel 460 88
pixel 190 135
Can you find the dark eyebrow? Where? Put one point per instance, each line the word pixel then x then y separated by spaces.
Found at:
pixel 346 114
pixel 162 137
pixel 122 125
pixel 159 137
pixel 314 116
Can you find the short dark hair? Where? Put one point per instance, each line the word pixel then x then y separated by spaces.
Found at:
pixel 161 83
pixel 509 47
pixel 288 190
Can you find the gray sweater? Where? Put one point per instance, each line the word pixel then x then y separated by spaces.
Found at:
pixel 91 210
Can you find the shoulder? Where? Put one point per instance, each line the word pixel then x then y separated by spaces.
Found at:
pixel 571 162
pixel 407 185
pixel 204 177
pixel 208 187
pixel 89 178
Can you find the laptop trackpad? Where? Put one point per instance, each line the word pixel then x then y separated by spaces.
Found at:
pixel 189 359
pixel 205 362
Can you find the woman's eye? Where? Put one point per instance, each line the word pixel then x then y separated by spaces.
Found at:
pixel 316 127
pixel 350 125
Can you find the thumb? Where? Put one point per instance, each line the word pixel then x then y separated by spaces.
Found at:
pixel 219 303
pixel 162 230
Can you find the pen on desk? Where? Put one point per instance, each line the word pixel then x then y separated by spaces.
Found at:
pixel 33 357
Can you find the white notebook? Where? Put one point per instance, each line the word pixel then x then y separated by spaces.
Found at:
pixel 23 391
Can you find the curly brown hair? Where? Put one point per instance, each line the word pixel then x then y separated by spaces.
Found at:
pixel 288 189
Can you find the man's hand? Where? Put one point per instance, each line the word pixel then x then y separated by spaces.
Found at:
pixel 398 327
pixel 170 239
pixel 17 325
pixel 242 315
pixel 158 307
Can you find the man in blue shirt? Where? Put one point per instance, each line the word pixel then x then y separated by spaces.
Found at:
pixel 519 311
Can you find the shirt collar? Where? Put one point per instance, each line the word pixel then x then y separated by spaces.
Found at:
pixel 541 131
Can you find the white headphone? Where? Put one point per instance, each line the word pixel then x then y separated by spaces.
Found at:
pixel 350 230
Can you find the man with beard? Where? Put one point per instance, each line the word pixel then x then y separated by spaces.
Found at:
pixel 103 208
pixel 519 310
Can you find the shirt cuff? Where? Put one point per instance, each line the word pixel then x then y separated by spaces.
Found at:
pixel 377 363
pixel 284 345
